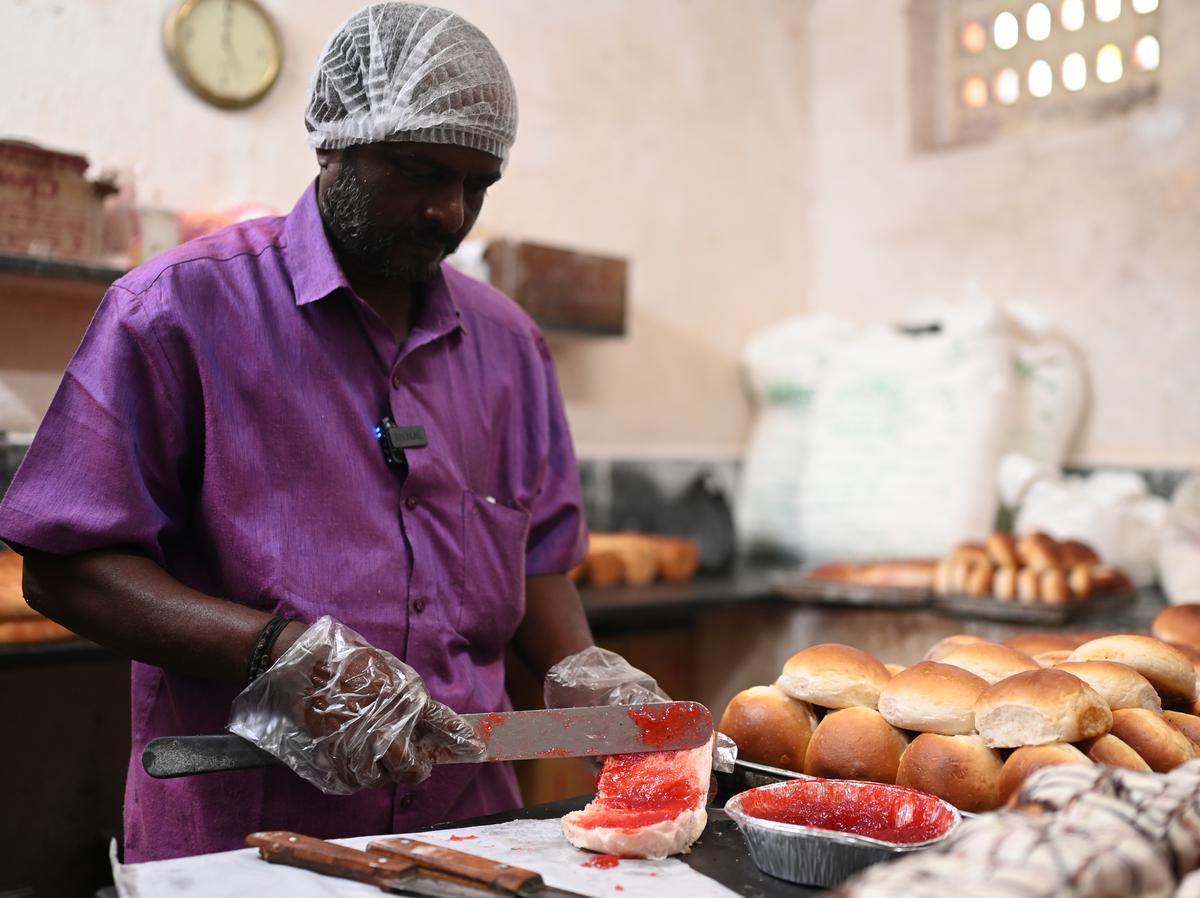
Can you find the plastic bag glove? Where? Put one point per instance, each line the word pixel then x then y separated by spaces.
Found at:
pixel 596 676
pixel 347 716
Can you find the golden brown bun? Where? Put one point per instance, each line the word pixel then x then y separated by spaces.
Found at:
pixel 991 661
pixel 959 769
pixel 1052 585
pixel 1036 643
pixel 1118 684
pixel 1110 750
pixel 943 577
pixel 1167 668
pixel 1004 584
pixel 1038 707
pixel 916 574
pixel 635 553
pixel 603 568
pixel 856 744
pixel 1188 724
pixel 1029 587
pixel 971 553
pixel 1179 624
pixel 944 647
pixel 1026 761
pixel 1110 579
pixel 979 580
pixel 834 676
pixel 24 630
pixel 1002 549
pixel 12 600
pixel 678 558
pixel 1052 659
pixel 1038 551
pixel 769 727
pixel 932 698
pixel 1074 552
pixel 1083 584
pixel 1149 734
pixel 894 669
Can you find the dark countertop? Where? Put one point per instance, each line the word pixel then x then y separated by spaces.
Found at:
pixel 719 854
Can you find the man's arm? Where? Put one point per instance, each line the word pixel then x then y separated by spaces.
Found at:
pixel 554 625
pixel 128 603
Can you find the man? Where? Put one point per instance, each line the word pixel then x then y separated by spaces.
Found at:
pixel 207 493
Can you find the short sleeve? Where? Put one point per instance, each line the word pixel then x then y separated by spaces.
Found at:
pixel 558 532
pixel 108 463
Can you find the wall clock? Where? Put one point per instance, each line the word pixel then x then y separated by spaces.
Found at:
pixel 228 52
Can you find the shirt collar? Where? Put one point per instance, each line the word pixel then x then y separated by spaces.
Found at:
pixel 316 271
pixel 314 268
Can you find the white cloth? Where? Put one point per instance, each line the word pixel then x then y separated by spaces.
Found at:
pixel 533 844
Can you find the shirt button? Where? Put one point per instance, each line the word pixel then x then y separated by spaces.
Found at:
pixel 419 604
pixel 410 502
pixel 406 802
pixel 396 381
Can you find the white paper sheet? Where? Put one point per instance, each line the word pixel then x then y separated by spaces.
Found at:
pixel 533 844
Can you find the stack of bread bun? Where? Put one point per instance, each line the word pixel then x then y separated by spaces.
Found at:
pixel 20 624
pixel 1034 568
pixel 1080 831
pixel 974 719
pixel 637 559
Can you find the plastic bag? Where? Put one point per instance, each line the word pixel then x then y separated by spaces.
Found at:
pixel 596 676
pixel 347 716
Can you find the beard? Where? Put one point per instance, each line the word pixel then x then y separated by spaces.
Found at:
pixel 365 247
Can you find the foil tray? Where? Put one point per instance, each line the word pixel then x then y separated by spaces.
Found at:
pixel 826 858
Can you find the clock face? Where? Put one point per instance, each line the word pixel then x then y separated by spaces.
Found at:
pixel 227 51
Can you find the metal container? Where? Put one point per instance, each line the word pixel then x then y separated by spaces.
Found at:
pixel 824 857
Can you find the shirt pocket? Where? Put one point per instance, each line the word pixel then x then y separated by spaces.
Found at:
pixel 493 544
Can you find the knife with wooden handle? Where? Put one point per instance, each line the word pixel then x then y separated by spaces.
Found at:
pixel 399 864
pixel 506 735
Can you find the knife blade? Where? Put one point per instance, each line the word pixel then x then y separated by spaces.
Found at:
pixel 406 865
pixel 506 735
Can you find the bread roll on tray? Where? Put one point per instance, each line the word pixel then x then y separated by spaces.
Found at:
pixel 1029 759
pixel 932 698
pixel 1039 552
pixel 855 744
pixel 1168 669
pixel 1002 550
pixel 1188 724
pixel 1118 684
pixel 1004 584
pixel 769 727
pixel 990 661
pixel 1178 624
pixel 1110 750
pixel 960 769
pixel 1149 734
pixel 1038 707
pixel 834 676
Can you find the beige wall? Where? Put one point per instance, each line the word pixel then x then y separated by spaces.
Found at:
pixel 668 131
pixel 1098 225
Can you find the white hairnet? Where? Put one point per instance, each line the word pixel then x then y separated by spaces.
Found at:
pixel 406 72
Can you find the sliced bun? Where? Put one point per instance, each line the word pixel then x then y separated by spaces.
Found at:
pixel 1038 707
pixel 1179 623
pixel 1026 761
pixel 1036 643
pixel 1188 724
pixel 1168 669
pixel 1002 549
pixel 769 727
pixel 856 744
pixel 1110 750
pixel 1038 552
pixel 932 698
pixel 991 661
pixel 959 769
pixel 944 647
pixel 1149 734
pixel 1118 684
pixel 834 676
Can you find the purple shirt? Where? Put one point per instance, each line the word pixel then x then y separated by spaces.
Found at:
pixel 219 415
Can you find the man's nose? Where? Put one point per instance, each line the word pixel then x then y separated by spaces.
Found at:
pixel 446 208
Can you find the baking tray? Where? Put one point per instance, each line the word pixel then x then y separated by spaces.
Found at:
pixel 820 857
pixel 801 586
pixel 1029 612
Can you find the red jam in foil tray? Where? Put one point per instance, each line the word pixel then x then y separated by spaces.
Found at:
pixel 821 832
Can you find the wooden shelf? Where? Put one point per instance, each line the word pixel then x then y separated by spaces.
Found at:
pixel 35 277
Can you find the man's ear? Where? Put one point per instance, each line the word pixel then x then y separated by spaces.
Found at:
pixel 326 156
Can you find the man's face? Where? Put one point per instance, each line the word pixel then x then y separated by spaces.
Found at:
pixel 395 210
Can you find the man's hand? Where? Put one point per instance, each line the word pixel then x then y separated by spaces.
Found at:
pixel 347 716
